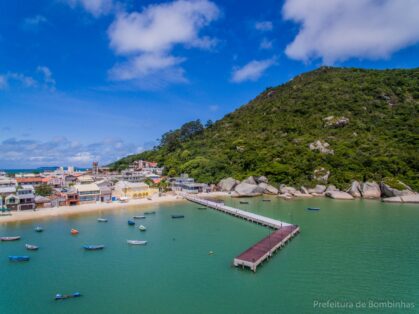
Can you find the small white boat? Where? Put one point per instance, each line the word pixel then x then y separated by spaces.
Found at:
pixel 142 228
pixel 102 220
pixel 10 238
pixel 31 247
pixel 136 242
pixel 139 217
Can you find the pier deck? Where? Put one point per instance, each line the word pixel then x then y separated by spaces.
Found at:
pixel 262 250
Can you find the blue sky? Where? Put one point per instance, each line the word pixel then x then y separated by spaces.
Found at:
pixel 84 80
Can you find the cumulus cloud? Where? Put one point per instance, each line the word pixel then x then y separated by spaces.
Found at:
pixel 264 26
pixel 147 38
pixel 61 151
pixel 252 71
pixel 94 7
pixel 336 30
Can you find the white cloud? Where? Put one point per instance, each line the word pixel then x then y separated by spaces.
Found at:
pixel 264 26
pixel 34 23
pixel 147 38
pixel 47 76
pixel 252 71
pixel 265 44
pixel 19 79
pixel 336 30
pixel 61 151
pixel 94 7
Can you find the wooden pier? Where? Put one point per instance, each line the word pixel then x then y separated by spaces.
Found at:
pixel 262 250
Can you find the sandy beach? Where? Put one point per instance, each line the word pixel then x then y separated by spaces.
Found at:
pixel 44 213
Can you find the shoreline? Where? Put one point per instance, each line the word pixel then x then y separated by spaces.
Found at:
pixel 56 212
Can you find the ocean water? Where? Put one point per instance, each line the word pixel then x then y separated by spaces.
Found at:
pixel 351 256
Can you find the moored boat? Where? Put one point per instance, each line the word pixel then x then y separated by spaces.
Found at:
pixel 136 242
pixel 266 200
pixel 178 216
pixel 102 220
pixel 243 202
pixel 31 247
pixel 139 217
pixel 149 213
pixel 60 296
pixel 19 258
pixel 313 208
pixel 10 238
pixel 142 228
pixel 93 247
pixel 202 208
pixel 131 223
pixel 39 229
pixel 74 231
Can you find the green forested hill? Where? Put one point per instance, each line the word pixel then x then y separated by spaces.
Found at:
pixel 368 117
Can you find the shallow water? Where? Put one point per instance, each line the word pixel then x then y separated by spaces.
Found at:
pixel 348 252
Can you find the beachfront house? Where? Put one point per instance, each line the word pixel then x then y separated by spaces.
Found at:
pixel 88 193
pixel 133 189
pixel 12 202
pixel 32 180
pixel 26 195
pixel 132 176
pixel 70 197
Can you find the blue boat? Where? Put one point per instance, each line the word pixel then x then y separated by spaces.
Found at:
pixel 93 247
pixel 313 208
pixel 17 258
pixel 60 296
pixel 178 216
pixel 131 223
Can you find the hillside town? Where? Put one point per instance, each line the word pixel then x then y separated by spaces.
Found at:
pixel 71 187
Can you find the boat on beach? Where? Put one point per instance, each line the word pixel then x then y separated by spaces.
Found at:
pixel 102 220
pixel 313 208
pixel 39 229
pixel 136 242
pixel 139 217
pixel 131 223
pixel 31 247
pixel 142 228
pixel 74 231
pixel 10 238
pixel 93 247
pixel 178 216
pixel 149 213
pixel 60 296
pixel 19 258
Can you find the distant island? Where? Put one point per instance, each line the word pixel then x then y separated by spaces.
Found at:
pixel 329 126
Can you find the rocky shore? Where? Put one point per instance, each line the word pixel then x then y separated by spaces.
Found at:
pixel 256 186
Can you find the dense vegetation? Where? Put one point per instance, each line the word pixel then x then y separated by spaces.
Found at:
pixel 271 134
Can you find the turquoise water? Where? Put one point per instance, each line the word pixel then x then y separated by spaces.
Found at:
pixel 349 251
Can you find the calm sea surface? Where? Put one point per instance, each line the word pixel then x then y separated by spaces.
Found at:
pixel 348 252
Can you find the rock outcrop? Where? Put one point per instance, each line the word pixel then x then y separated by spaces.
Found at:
pixel 262 179
pixel 318 189
pixel 246 189
pixel 321 146
pixel 268 189
pixel 228 184
pixel 331 188
pixel 412 198
pixel 250 180
pixel 388 191
pixel 321 175
pixel 335 122
pixel 370 190
pixel 304 190
pixel 355 189
pixel 283 189
pixel 339 195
